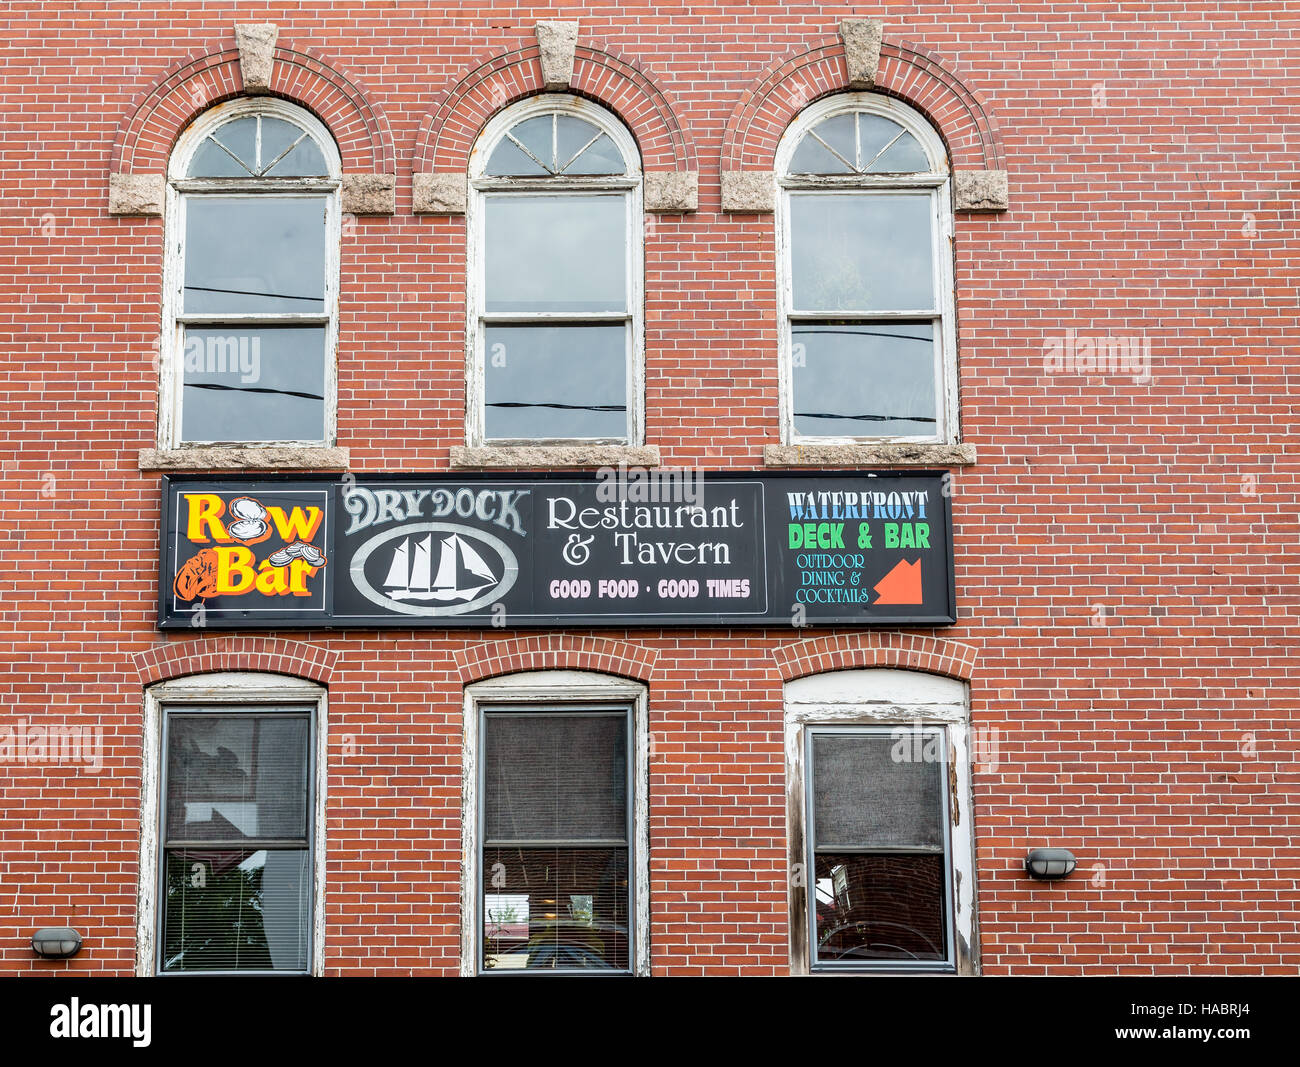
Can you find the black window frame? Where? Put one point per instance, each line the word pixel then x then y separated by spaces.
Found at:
pixel 910 733
pixel 213 709
pixel 624 709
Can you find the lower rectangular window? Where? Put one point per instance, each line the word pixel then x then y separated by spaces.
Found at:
pixel 236 856
pixel 555 857
pixel 879 849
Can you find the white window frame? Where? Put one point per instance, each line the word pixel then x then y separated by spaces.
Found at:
pixel 554 689
pixel 875 698
pixel 171 342
pixel 235 690
pixel 936 181
pixel 481 187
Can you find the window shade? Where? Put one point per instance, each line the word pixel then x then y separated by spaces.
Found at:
pixel 864 798
pixel 237 777
pixel 555 777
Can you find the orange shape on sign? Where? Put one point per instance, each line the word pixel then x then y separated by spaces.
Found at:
pixel 902 585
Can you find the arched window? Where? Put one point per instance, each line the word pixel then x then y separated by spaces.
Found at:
pixel 252 287
pixel 555 277
pixel 868 345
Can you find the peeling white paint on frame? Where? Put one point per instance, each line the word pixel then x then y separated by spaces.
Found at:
pixel 236 690
pixel 883 697
pixel 552 688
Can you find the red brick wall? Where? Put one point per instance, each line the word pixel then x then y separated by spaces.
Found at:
pixel 1126 551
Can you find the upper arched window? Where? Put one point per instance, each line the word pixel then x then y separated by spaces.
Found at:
pixel 555 279
pixel 252 292
pixel 864 231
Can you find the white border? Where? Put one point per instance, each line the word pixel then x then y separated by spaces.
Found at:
pixel 629 184
pixel 878 696
pixel 542 688
pixel 936 181
pixel 237 689
pixel 170 339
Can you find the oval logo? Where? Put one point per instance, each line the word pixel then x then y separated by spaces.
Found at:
pixel 434 568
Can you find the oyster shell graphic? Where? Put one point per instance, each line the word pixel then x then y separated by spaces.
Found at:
pixel 308 553
pixel 250 525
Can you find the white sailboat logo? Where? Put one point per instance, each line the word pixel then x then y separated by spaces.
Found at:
pixel 462 573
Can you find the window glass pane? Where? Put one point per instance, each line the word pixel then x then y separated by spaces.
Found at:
pixel 838 153
pixel 874 131
pixel 233 777
pixel 246 384
pixel 254 254
pixel 839 135
pixel 883 907
pixel 556 382
pixel 598 153
pixel 864 379
pixel 508 160
pixel 212 161
pixel 239 136
pixel 877 790
pixel 556 909
pixel 556 253
pixel 812 157
pixel 234 910
pixel 277 136
pixel 602 157
pixel 861 252
pixel 571 134
pixel 538 136
pixel 304 159
pixel 904 156
pixel 555 777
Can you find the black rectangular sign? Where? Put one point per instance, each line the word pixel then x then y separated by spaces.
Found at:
pixel 617 548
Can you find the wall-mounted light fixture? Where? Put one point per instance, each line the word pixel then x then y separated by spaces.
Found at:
pixel 56 943
pixel 1049 864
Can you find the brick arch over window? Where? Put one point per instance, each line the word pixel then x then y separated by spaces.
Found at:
pixel 147 133
pixel 839 652
pixel 911 74
pixel 451 126
pixel 539 652
pixel 272 655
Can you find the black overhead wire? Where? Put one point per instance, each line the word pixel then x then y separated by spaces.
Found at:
pixel 251 292
pixel 549 404
pixel 251 389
